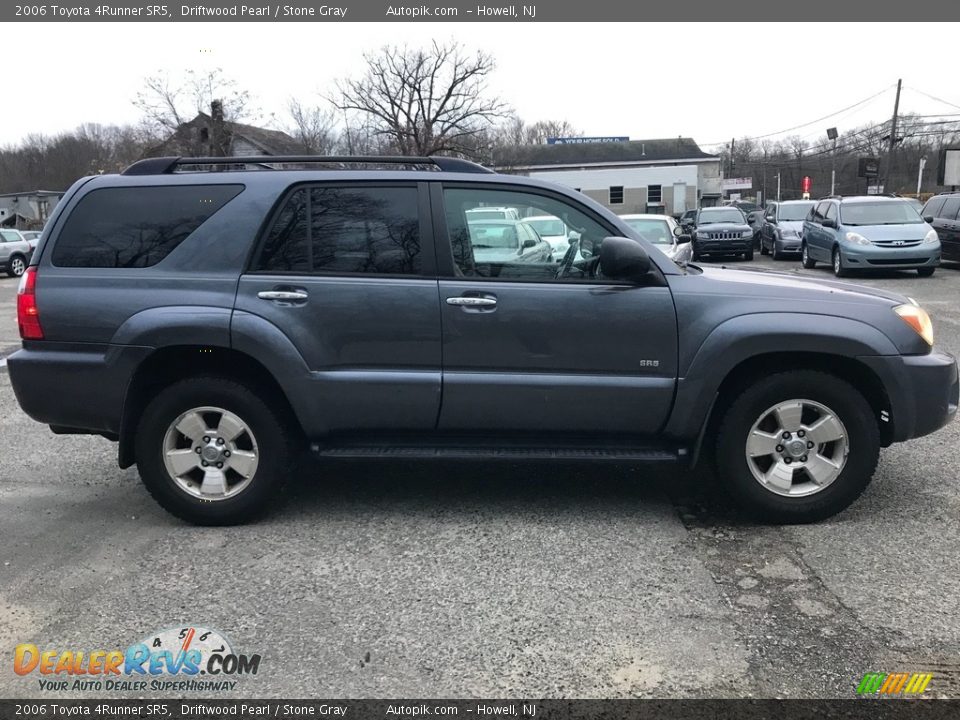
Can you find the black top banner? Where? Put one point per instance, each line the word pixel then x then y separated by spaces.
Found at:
pixel 824 12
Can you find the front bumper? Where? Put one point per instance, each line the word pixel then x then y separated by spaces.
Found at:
pixel 879 257
pixel 788 244
pixel 721 247
pixel 924 391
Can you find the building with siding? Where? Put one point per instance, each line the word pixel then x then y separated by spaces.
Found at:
pixel 667 176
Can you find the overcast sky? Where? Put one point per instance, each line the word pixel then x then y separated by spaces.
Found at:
pixel 646 80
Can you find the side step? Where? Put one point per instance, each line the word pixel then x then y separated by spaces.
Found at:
pixel 638 454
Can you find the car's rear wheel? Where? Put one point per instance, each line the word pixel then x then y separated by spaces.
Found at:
pixel 211 452
pixel 839 269
pixel 17 266
pixel 798 446
pixel 805 259
pixel 925 271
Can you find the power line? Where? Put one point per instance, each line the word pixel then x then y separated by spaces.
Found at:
pixel 934 97
pixel 820 119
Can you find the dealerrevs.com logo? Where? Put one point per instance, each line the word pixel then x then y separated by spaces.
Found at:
pixel 189 658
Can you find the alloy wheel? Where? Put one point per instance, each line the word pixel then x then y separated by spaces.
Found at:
pixel 797 448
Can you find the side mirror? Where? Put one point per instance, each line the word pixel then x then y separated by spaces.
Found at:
pixel 528 244
pixel 829 223
pixel 623 259
pixel 928 218
pixel 771 219
pixel 683 238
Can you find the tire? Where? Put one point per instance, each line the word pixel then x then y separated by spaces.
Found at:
pixel 776 255
pixel 16 266
pixel 925 272
pixel 763 248
pixel 696 253
pixel 265 436
pixel 748 255
pixel 805 259
pixel 804 501
pixel 838 268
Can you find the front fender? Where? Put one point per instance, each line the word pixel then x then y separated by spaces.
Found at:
pixel 746 336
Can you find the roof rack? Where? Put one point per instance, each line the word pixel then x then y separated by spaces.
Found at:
pixel 167 165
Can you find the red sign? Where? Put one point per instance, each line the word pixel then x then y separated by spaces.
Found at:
pixel 805 184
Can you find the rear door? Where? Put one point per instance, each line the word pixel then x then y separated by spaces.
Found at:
pixel 347 272
pixel 542 347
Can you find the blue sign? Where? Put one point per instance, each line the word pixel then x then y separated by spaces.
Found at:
pixel 582 140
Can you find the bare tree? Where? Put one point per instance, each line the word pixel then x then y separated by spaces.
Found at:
pixel 168 103
pixel 425 101
pixel 313 126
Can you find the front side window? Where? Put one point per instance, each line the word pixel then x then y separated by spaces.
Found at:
pixel 345 230
pixel 494 249
pixel 933 207
pixel 951 208
pixel 831 212
pixel 136 227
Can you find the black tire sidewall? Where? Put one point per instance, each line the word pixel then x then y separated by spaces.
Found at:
pixel 272 443
pixel 837 395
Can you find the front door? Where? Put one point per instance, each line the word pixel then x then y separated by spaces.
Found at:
pixel 345 274
pixel 547 348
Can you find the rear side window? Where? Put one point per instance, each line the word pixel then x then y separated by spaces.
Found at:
pixel 331 230
pixel 136 227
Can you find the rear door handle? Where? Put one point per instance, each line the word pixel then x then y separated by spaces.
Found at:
pixel 477 302
pixel 288 295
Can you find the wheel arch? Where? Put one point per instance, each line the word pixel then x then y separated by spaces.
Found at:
pixel 170 364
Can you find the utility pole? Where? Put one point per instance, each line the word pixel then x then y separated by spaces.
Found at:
pixel 923 162
pixel 893 138
pixel 778 187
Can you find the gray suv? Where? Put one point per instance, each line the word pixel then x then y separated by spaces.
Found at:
pixel 216 315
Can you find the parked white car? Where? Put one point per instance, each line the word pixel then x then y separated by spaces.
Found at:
pixel 15 252
pixel 664 232
pixel 492 213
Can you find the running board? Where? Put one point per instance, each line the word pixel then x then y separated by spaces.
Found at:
pixel 637 454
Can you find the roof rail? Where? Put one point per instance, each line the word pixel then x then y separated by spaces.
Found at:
pixel 167 165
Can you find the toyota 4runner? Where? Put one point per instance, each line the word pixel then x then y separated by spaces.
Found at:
pixel 213 315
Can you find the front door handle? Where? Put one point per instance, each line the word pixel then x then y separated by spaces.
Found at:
pixel 474 302
pixel 288 295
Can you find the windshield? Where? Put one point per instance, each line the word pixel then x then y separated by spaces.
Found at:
pixel 720 215
pixel 794 211
pixel 493 235
pixel 895 212
pixel 486 214
pixel 746 207
pixel 548 227
pixel 655 231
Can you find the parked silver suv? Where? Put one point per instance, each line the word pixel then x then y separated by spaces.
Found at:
pixel 15 252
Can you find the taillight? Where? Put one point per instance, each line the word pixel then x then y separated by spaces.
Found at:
pixel 27 315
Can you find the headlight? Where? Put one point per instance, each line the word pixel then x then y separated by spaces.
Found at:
pixel 857 238
pixel 917 318
pixel 747 233
pixel 703 235
pixel 931 237
pixel 789 232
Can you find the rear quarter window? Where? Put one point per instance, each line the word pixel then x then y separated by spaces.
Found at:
pixel 136 227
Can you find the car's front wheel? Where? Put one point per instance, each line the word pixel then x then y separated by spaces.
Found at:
pixel 839 269
pixel 211 452
pixel 805 259
pixel 798 446
pixel 925 271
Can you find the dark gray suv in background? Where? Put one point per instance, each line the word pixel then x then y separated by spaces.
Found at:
pixel 215 315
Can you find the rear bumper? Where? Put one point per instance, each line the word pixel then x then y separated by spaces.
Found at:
pixel 74 385
pixel 924 391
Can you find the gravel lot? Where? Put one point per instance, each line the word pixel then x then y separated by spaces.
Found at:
pixel 494 580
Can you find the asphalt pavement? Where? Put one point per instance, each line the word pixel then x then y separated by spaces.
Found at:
pixel 374 579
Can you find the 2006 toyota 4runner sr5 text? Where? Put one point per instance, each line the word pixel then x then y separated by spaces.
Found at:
pixel 214 315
